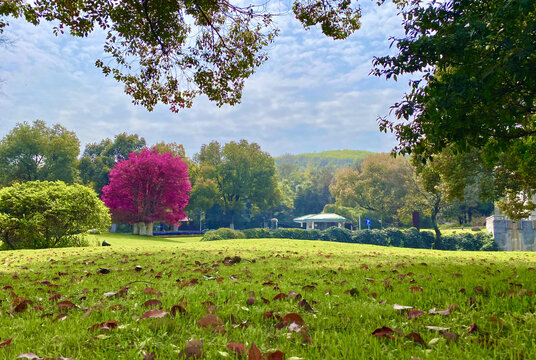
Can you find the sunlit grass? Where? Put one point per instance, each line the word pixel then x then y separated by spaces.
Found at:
pixel 340 327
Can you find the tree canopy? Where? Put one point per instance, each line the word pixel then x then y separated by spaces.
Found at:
pixel 381 186
pixel 475 87
pixel 99 158
pixel 148 187
pixel 37 152
pixel 171 51
pixel 241 174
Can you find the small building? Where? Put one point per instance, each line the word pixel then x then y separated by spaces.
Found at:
pixel 511 235
pixel 320 221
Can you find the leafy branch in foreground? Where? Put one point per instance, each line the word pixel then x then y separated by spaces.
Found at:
pixel 171 51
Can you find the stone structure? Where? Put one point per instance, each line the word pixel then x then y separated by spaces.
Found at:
pixel 511 235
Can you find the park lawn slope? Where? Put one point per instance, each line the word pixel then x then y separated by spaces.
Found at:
pixel 350 291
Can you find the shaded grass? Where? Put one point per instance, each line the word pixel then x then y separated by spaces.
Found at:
pixel 340 327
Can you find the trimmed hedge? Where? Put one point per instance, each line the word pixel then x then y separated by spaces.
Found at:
pixel 410 238
pixel 223 234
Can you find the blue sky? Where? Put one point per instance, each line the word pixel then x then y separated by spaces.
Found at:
pixel 313 94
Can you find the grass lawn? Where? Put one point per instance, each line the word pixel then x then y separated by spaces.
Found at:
pixel 484 302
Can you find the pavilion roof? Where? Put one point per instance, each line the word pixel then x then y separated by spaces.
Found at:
pixel 320 218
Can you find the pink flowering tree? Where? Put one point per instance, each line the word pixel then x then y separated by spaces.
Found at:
pixel 148 187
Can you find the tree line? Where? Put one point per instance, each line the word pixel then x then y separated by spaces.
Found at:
pixel 239 185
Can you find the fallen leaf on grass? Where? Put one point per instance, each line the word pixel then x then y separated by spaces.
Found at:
pixel 305 305
pixel 401 307
pixel 449 336
pixel 280 296
pixel 152 303
pixel 107 325
pixel 103 271
pixel 154 314
pixel 209 320
pixel 415 337
pixel 219 330
pixel 293 318
pixel 437 328
pixel 237 348
pixel 54 297
pixel 193 350
pixel 177 309
pixel 7 342
pixel 231 260
pixel 434 311
pixel 276 355
pixel 21 306
pixel 412 314
pixel 250 300
pixel 60 317
pixel 28 356
pixel 149 290
pixel 416 289
pixel 254 353
pixel 384 331
pixel 473 328
pixel 66 305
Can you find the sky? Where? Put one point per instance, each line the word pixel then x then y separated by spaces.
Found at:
pixel 313 94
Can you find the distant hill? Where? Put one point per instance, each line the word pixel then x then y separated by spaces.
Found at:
pixel 335 158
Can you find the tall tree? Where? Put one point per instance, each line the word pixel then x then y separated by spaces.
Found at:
pixel 244 175
pixel 171 51
pixel 380 187
pixel 37 152
pixel 313 193
pixel 475 87
pixel 99 158
pixel 148 187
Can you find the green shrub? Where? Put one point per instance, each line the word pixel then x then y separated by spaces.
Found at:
pixel 337 234
pixel 223 234
pixel 258 233
pixel 411 238
pixel 47 214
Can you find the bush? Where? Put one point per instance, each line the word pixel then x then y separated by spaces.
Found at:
pixel 223 234
pixel 411 238
pixel 257 233
pixel 47 214
pixel 337 234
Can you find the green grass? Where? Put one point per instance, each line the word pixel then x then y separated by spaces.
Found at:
pixel 340 327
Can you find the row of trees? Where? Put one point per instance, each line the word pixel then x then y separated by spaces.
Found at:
pixel 238 183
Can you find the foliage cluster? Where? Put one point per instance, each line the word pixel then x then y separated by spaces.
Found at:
pixel 410 238
pixel 236 177
pixel 35 151
pixel 46 214
pixel 148 187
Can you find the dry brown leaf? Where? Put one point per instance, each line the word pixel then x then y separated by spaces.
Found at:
pixel 237 348
pixel 209 320
pixel 193 350
pixel 152 303
pixel 254 353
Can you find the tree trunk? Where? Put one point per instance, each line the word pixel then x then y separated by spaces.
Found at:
pixel 135 229
pixel 143 228
pixel 435 211
pixel 149 229
pixel 8 242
